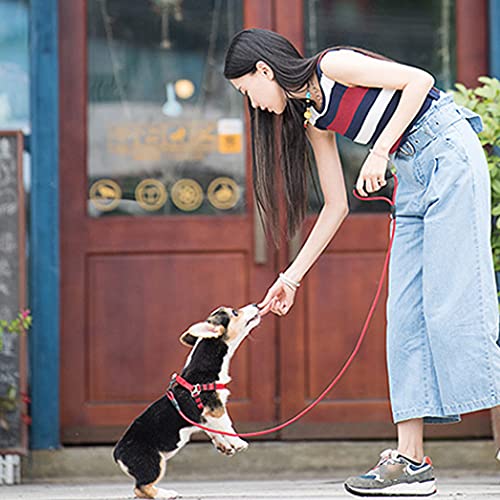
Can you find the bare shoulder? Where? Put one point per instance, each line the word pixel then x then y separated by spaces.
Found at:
pixel 334 61
pixel 348 57
pixel 340 58
pixel 353 68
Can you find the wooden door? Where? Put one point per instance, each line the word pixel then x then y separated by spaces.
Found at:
pixel 322 329
pixel 157 221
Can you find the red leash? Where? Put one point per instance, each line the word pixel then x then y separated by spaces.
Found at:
pixel 392 202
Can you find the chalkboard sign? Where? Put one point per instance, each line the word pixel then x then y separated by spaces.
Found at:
pixel 13 431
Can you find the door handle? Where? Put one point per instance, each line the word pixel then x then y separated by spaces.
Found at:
pixel 259 238
pixel 294 246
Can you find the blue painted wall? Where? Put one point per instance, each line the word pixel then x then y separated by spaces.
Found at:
pixel 44 225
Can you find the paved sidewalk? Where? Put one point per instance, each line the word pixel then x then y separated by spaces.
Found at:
pixel 459 487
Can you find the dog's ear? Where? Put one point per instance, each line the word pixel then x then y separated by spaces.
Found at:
pixel 187 339
pixel 202 330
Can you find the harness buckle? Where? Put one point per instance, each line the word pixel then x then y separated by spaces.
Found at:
pixel 195 391
pixel 171 397
pixel 172 381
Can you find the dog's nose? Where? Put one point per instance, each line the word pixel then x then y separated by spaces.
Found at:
pixel 256 306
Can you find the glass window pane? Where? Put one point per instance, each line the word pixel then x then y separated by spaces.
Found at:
pixel 165 130
pixel 14 65
pixel 420 33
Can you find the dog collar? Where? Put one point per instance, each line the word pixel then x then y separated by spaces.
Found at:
pixel 195 389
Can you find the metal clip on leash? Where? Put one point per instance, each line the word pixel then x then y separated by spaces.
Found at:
pixel 392 203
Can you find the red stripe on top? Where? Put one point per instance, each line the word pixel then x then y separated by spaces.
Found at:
pixel 347 108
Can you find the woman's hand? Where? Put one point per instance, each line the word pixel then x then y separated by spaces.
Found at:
pixel 279 299
pixel 372 173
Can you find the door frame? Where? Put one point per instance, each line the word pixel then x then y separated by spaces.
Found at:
pixel 88 232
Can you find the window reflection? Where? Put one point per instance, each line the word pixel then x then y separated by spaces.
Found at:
pixel 165 131
pixel 420 33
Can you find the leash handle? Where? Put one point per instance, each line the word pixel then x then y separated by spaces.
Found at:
pixel 346 365
pixel 392 203
pixel 387 176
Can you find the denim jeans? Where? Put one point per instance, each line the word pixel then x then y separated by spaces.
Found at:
pixel 442 306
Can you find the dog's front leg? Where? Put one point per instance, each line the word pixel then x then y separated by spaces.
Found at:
pixel 219 442
pixel 219 420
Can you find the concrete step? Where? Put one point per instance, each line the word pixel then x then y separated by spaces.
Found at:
pixel 262 459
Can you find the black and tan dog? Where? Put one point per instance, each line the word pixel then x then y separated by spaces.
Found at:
pixel 160 432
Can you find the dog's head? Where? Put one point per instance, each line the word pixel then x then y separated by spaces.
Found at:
pixel 230 325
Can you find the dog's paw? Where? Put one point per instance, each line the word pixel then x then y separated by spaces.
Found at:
pixel 225 449
pixel 167 494
pixel 242 447
pixel 238 444
pixel 230 448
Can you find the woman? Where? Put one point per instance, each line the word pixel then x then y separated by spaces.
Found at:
pixel 442 311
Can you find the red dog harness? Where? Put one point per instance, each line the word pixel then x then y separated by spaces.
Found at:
pixel 195 389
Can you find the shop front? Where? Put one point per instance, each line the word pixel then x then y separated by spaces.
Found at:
pixel 158 225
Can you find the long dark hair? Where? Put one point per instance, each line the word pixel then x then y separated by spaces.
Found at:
pixel 292 71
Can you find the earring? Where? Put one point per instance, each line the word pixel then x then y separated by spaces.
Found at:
pixel 307 112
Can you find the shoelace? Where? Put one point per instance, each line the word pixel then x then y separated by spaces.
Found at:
pixel 387 456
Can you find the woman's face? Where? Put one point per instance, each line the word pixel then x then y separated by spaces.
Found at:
pixel 262 89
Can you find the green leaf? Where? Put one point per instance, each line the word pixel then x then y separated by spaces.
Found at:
pixel 461 87
pixel 495 185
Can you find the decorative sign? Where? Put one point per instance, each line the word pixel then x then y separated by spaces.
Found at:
pixel 230 132
pixel 151 194
pixel 223 193
pixel 179 139
pixel 187 195
pixel 13 413
pixel 105 194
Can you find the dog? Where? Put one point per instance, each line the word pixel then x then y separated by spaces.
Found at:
pixel 158 433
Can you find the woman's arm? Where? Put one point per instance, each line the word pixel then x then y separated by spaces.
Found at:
pixel 353 68
pixel 335 208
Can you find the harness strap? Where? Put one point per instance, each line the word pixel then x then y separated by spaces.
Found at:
pixel 195 389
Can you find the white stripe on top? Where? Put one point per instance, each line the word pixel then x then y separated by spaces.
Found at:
pixel 374 116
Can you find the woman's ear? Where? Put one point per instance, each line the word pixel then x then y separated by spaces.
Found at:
pixel 265 69
pixel 204 330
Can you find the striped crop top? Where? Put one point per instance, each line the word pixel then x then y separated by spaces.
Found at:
pixel 360 113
